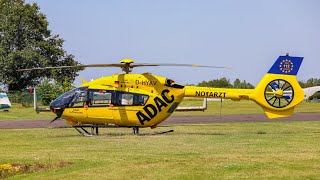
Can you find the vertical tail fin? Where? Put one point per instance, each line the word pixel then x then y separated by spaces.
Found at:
pixel 279 91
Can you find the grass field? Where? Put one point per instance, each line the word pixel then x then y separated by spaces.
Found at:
pixel 273 150
pixel 228 107
pixel 18 112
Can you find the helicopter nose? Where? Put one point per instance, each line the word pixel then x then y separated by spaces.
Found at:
pixel 63 101
pixel 57 108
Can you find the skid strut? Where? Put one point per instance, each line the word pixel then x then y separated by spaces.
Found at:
pixel 81 129
pixel 135 130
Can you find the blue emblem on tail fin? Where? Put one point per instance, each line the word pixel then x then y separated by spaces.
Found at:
pixel 286 65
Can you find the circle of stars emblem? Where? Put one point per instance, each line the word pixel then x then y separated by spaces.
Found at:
pixel 286 66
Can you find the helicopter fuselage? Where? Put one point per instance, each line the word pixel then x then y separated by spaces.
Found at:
pixel 133 100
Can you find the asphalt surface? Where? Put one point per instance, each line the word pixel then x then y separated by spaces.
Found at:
pixel 23 124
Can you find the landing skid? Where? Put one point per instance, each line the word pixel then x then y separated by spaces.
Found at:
pixel 94 130
pixel 84 132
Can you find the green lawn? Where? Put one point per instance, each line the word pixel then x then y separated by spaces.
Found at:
pixel 18 112
pixel 272 150
pixel 228 107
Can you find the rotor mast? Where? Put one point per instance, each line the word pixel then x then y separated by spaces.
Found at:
pixel 126 68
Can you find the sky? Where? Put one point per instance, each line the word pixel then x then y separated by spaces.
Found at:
pixel 247 35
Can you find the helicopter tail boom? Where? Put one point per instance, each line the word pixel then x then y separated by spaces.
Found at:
pixel 277 93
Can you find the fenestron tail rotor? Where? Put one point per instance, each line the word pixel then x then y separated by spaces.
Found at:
pixel 126 65
pixel 279 93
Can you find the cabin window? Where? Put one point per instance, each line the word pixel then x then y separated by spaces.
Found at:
pixel 140 100
pixel 131 99
pixel 126 99
pixel 100 98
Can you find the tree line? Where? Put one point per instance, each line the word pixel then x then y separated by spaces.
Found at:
pixel 225 83
pixel 310 83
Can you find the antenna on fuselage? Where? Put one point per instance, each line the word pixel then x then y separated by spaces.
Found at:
pixel 220 107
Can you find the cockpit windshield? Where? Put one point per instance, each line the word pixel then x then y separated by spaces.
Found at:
pixel 65 99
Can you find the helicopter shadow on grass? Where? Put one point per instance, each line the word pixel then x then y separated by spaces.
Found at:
pixel 195 131
pixel 109 134
pixel 206 133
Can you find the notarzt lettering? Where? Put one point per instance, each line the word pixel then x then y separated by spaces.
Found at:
pixel 150 111
pixel 211 94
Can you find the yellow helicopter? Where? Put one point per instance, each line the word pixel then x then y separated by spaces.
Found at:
pixel 146 100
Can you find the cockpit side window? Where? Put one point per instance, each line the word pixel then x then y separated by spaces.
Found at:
pixel 80 98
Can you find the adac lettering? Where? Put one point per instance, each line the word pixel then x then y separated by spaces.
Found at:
pixel 211 94
pixel 150 111
pixel 146 83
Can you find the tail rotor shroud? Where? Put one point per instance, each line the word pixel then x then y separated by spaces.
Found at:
pixel 279 93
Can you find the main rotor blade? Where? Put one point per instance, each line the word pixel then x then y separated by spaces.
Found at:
pixel 124 65
pixel 170 64
pixel 61 67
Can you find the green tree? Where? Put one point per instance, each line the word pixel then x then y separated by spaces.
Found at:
pixel 65 85
pixel 237 83
pixel 310 83
pixel 26 42
pixel 246 85
pixel 302 84
pixel 313 82
pixel 242 84
pixel 225 83
pixel 49 91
